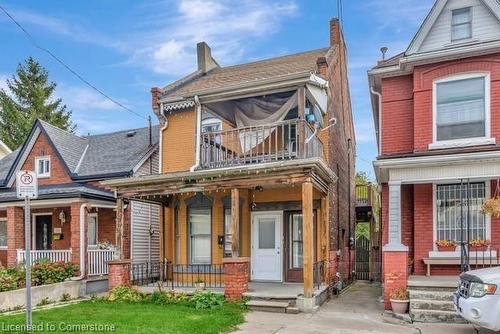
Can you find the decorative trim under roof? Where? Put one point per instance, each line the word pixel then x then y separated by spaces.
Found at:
pixel 178 105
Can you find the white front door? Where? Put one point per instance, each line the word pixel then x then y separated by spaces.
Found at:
pixel 267 238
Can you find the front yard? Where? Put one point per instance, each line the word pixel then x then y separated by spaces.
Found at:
pixel 101 316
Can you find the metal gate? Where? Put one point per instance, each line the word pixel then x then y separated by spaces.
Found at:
pixel 362 258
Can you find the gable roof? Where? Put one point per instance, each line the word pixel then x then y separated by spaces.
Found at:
pixel 232 76
pixel 98 156
pixel 433 15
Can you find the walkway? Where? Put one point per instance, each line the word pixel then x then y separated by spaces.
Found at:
pixel 355 311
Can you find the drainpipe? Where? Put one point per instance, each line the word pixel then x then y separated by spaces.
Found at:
pixel 82 243
pixel 198 133
pixel 163 128
pixel 379 130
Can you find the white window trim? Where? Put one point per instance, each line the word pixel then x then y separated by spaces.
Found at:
pixel 463 142
pixel 487 189
pixel 4 247
pixel 211 120
pixel 94 214
pixel 462 40
pixel 44 175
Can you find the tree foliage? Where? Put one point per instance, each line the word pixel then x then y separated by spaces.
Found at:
pixel 30 96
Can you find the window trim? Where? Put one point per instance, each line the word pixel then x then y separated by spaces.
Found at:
pixel 4 219
pixel 190 207
pixel 463 142
pixel 209 121
pixel 461 40
pixel 487 192
pixel 96 215
pixel 37 160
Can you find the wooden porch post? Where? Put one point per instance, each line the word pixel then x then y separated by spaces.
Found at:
pixel 301 102
pixel 308 243
pixel 119 227
pixel 235 221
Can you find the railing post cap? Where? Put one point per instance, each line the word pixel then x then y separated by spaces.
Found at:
pixel 235 260
pixel 118 262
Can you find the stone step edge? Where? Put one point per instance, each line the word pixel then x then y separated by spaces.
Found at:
pixel 266 303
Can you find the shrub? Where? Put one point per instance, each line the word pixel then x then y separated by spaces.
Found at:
pixel 168 297
pixel 205 300
pixel 65 297
pixel 45 272
pixel 45 301
pixel 400 293
pixel 126 294
pixel 11 279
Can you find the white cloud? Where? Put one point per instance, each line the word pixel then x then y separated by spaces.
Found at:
pixel 171 49
pixel 83 98
pixel 3 82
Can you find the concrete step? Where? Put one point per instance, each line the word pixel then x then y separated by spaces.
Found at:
pixel 436 316
pixel 431 305
pixel 268 306
pixel 431 295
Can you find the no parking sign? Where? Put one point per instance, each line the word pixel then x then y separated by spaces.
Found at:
pixel 26 184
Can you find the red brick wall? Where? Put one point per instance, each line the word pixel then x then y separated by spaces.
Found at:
pixel 58 174
pixel 424 225
pixel 394 273
pixel 106 222
pixel 15 233
pixel 397 115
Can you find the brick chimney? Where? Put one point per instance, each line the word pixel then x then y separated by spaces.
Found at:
pixel 205 60
pixel 155 97
pixel 335 32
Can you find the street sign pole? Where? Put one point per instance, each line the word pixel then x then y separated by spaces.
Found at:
pixel 27 242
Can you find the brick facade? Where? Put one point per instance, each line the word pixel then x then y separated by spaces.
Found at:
pixel 395 274
pixel 236 277
pixel 119 273
pixel 15 233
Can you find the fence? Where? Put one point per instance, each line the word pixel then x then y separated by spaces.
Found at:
pixel 98 261
pixel 50 255
pixel 178 275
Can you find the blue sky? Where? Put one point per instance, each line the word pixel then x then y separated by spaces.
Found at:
pixel 126 47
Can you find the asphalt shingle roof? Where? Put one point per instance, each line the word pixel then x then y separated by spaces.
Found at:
pixel 61 191
pixel 245 73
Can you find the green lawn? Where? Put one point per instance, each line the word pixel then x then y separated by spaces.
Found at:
pixel 132 318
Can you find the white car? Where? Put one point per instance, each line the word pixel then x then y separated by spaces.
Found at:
pixel 477 298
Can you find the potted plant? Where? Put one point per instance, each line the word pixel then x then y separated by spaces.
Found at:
pixel 492 205
pixel 200 284
pixel 400 300
pixel 479 245
pixel 446 245
pixel 410 265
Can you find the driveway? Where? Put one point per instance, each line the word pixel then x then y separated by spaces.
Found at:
pixel 355 311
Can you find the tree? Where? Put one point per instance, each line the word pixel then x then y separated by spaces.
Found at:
pixel 30 97
pixel 362 178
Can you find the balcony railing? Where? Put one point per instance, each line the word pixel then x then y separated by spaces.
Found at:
pixel 50 255
pixel 98 261
pixel 365 194
pixel 285 140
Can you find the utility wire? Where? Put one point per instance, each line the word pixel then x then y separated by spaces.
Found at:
pixel 85 81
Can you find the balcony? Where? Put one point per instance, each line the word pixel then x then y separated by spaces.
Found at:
pixel 280 141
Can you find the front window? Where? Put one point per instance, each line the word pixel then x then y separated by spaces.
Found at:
pixel 461 109
pixel 177 236
pixel 42 165
pixel 3 233
pixel 92 230
pixel 199 235
pixel 296 241
pixel 454 204
pixel 228 233
pixel 461 24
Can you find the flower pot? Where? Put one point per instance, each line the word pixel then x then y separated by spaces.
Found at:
pixel 481 248
pixel 399 306
pixel 447 248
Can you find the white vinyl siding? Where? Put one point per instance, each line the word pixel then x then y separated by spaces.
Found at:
pixel 485 26
pixel 451 208
pixel 199 221
pixel 460 109
pixel 3 233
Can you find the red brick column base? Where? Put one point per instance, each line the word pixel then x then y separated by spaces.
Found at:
pixel 236 277
pixel 332 267
pixel 15 233
pixel 395 273
pixel 119 273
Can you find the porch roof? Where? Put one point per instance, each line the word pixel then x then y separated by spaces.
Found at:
pixel 69 190
pixel 281 173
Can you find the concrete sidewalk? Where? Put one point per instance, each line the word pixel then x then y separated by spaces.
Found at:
pixel 355 311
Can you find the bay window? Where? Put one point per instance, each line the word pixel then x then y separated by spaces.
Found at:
pixel 199 220
pixel 459 206
pixel 461 108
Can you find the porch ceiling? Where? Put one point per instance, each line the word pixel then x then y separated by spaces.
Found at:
pixel 268 175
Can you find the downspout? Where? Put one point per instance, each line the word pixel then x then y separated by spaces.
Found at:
pixel 379 130
pixel 198 133
pixel 163 128
pixel 82 243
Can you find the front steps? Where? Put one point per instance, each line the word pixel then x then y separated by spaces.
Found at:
pixel 274 306
pixel 433 304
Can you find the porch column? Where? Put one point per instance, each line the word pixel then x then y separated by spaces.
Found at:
pixel 78 211
pixel 308 243
pixel 235 222
pixel 15 233
pixel 119 228
pixel 395 254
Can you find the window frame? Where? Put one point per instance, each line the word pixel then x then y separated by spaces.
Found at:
pixel 463 142
pixel 189 257
pixel 96 215
pixel 471 16
pixel 4 220
pixel 487 218
pixel 37 161
pixel 211 121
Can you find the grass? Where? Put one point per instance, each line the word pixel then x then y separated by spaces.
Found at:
pixel 132 318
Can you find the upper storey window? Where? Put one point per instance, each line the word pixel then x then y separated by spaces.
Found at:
pixel 461 24
pixel 42 165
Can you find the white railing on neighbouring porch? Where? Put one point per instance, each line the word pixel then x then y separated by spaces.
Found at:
pixel 98 261
pixel 51 255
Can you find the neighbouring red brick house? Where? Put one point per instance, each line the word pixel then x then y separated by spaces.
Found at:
pixel 73 218
pixel 436 108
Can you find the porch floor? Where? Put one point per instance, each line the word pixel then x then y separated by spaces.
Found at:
pixel 433 281
pixel 272 290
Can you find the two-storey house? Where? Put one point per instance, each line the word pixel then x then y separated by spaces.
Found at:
pixel 257 175
pixel 74 217
pixel 437 119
